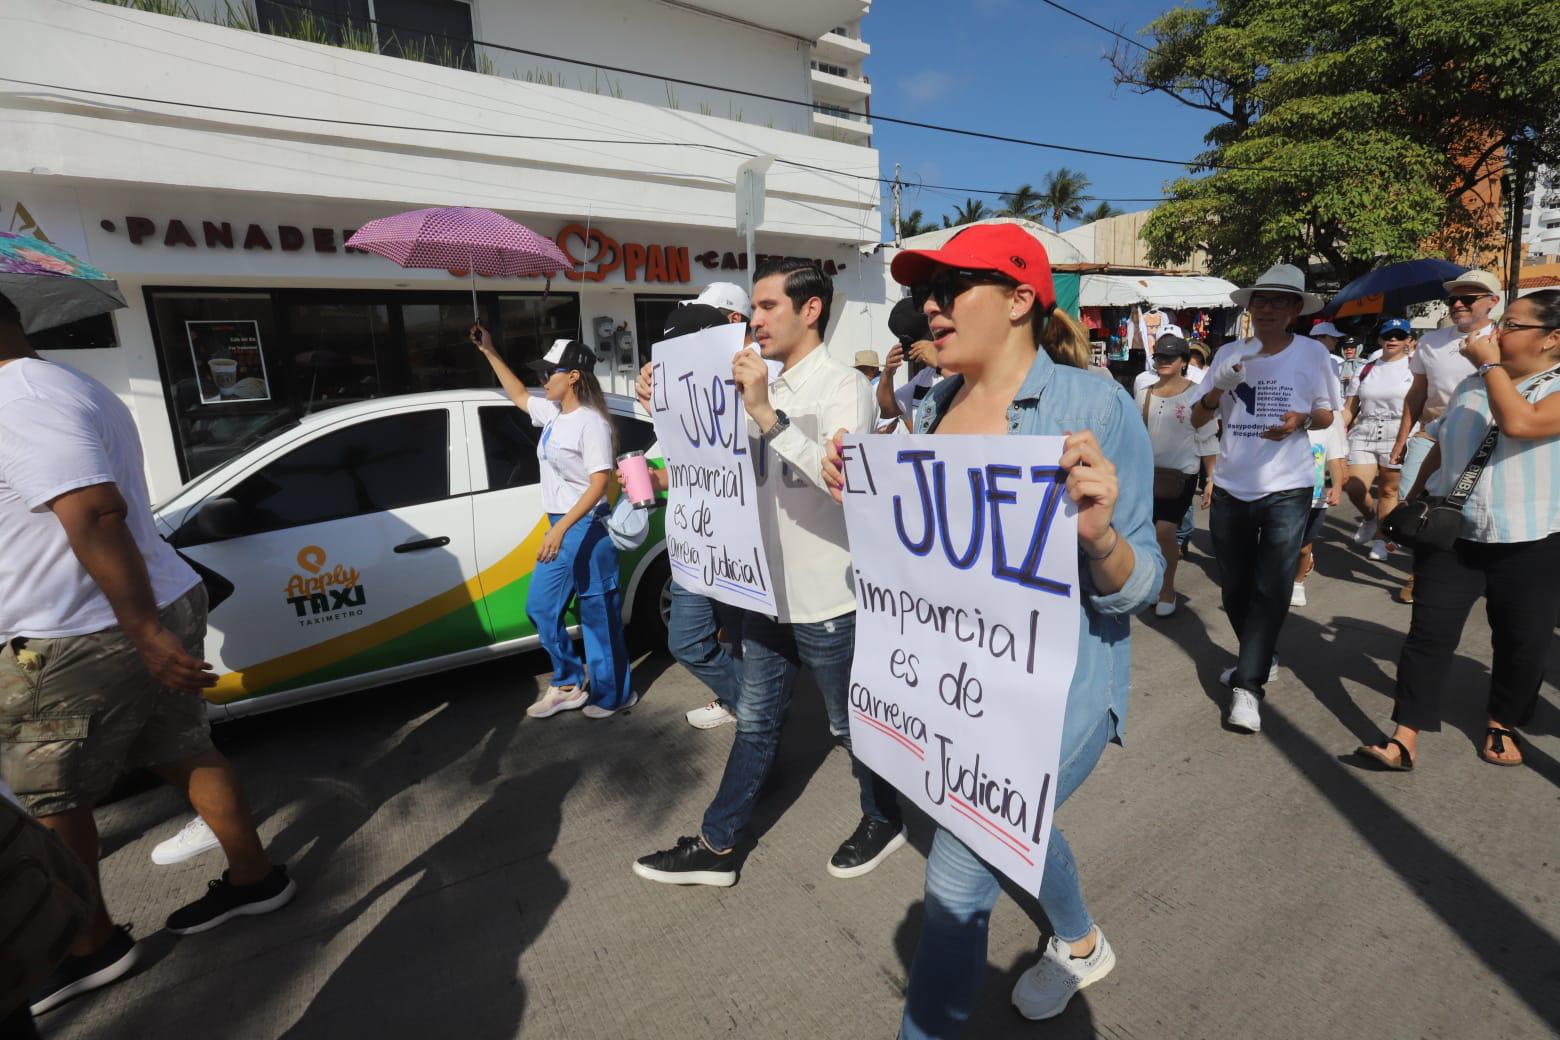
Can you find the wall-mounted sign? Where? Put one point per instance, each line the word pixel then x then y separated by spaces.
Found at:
pixel 229 364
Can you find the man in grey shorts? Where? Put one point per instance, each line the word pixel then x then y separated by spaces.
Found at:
pixel 101 633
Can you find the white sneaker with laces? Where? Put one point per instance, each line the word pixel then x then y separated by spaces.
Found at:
pixel 1244 712
pixel 1043 991
pixel 1366 531
pixel 1297 595
pixel 1378 550
pixel 556 699
pixel 1228 675
pixel 193 839
pixel 711 716
pixel 592 711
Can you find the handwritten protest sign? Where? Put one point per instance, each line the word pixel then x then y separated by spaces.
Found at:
pixel 712 528
pixel 966 568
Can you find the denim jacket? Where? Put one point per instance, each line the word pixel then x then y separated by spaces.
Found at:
pixel 1054 400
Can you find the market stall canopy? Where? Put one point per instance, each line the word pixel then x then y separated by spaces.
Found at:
pixel 1174 292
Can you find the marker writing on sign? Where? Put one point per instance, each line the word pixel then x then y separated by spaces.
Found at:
pixel 984 791
pixel 985 536
pixel 708 406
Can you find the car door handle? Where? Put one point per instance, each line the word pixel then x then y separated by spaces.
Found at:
pixel 422 543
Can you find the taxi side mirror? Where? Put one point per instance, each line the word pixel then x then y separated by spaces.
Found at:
pixel 220 519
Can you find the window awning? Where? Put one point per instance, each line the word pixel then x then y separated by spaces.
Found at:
pixel 1170 291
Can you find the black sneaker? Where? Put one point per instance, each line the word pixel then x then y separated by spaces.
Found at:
pixel 224 900
pixel 690 863
pixel 78 975
pixel 864 850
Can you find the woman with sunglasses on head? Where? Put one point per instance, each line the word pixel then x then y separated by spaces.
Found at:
pixel 989 298
pixel 1509 545
pixel 576 557
pixel 1372 415
pixel 1181 450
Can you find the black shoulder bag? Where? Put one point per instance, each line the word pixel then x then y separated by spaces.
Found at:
pixel 1436 523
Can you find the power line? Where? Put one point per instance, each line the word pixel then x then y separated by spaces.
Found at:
pixel 1103 28
pixel 506 135
pixel 892 120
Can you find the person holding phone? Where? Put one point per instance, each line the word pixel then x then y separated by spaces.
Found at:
pixel 576 558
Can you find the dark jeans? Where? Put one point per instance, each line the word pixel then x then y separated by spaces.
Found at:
pixel 1257 544
pixel 772 654
pixel 1520 583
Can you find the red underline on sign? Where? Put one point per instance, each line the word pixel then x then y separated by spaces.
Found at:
pixel 992 829
pixel 910 745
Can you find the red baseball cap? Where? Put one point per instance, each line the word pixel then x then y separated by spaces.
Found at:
pixel 1005 248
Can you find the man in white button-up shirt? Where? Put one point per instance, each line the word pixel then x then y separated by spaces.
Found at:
pixel 804 530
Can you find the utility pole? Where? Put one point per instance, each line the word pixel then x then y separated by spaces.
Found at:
pixel 1521 156
pixel 894 187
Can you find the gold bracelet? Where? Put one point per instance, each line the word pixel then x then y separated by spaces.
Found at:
pixel 1109 552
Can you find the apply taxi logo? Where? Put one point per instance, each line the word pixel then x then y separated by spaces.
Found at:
pixel 324 595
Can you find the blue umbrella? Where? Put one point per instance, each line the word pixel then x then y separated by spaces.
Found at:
pixel 1390 289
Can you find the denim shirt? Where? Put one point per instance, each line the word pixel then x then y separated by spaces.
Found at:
pixel 1055 400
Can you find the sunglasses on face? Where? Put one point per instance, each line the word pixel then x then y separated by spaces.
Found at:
pixel 1394 336
pixel 1165 359
pixel 949 283
pixel 1466 299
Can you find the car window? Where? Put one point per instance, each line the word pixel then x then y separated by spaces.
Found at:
pixel 509 446
pixel 632 434
pixel 367 467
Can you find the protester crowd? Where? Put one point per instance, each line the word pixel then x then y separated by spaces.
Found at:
pixel 1447 445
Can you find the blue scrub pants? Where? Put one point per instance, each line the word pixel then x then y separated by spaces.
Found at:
pixel 586 567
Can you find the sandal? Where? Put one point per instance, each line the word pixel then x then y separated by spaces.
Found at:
pixel 1377 755
pixel 1498 746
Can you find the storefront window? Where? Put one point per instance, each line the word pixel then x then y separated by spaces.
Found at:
pixel 240 366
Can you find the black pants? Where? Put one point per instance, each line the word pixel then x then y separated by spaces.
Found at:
pixel 1257 544
pixel 1520 583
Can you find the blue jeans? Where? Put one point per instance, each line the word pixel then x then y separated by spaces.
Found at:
pixel 1413 461
pixel 1257 544
pixel 772 654
pixel 586 568
pixel 960 892
pixel 1183 534
pixel 691 637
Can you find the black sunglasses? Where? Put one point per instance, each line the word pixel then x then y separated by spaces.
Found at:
pixel 1395 335
pixel 949 283
pixel 1466 299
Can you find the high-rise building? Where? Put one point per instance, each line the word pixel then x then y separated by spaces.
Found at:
pixel 1541 214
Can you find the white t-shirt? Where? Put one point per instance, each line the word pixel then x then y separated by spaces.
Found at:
pixel 1142 381
pixel 1177 444
pixel 1439 359
pixel 1326 446
pixel 1298 378
pixel 1379 396
pixel 908 397
pixel 573 445
pixel 61 431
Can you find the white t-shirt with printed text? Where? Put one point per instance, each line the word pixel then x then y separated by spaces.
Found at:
pixel 573 446
pixel 1298 378
pixel 62 431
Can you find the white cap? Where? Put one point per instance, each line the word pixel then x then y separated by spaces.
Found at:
pixel 1326 328
pixel 1170 328
pixel 728 297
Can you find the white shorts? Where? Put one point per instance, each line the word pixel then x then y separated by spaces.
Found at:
pixel 1368 446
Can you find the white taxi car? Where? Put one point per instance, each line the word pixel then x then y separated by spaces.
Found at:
pixel 381 540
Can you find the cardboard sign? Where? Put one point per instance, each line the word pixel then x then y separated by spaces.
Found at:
pixel 712 529
pixel 967 620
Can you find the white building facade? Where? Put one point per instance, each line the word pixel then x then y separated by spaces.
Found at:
pixel 216 172
pixel 1541 214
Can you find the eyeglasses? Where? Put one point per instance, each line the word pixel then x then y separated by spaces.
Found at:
pixel 1394 336
pixel 1507 325
pixel 1271 300
pixel 1466 299
pixel 949 283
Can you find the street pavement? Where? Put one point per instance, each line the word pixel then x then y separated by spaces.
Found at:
pixel 464 870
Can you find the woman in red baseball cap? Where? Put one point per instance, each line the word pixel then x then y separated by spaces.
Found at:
pixel 991 305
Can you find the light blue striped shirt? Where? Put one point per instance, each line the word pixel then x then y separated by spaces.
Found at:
pixel 1518 497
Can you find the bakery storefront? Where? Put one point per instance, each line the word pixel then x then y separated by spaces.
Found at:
pixel 247 313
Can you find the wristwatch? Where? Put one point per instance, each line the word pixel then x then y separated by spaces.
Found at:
pixel 782 423
pixel 1307 422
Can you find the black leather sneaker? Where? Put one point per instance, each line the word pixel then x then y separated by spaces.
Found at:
pixel 78 975
pixel 872 843
pixel 690 862
pixel 224 901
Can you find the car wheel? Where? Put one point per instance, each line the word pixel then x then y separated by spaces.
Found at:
pixel 653 607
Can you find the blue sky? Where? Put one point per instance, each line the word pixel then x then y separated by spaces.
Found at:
pixel 1021 68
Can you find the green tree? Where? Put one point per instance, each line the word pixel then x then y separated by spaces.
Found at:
pixel 1100 212
pixel 1061 195
pixel 1363 130
pixel 967 212
pixel 1023 202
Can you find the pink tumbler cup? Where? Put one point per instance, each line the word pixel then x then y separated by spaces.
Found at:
pixel 634 472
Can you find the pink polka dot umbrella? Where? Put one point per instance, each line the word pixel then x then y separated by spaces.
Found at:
pixel 461 238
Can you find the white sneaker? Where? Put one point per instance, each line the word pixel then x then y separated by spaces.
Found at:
pixel 1244 712
pixel 558 699
pixel 1378 550
pixel 1228 675
pixel 1366 531
pixel 1044 990
pixel 1297 595
pixel 593 711
pixel 711 716
pixel 1163 609
pixel 193 839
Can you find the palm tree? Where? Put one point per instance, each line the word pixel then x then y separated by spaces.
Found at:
pixel 914 224
pixel 969 211
pixel 1023 202
pixel 1062 195
pixel 1100 212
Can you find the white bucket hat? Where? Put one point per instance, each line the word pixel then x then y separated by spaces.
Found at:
pixel 1285 278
